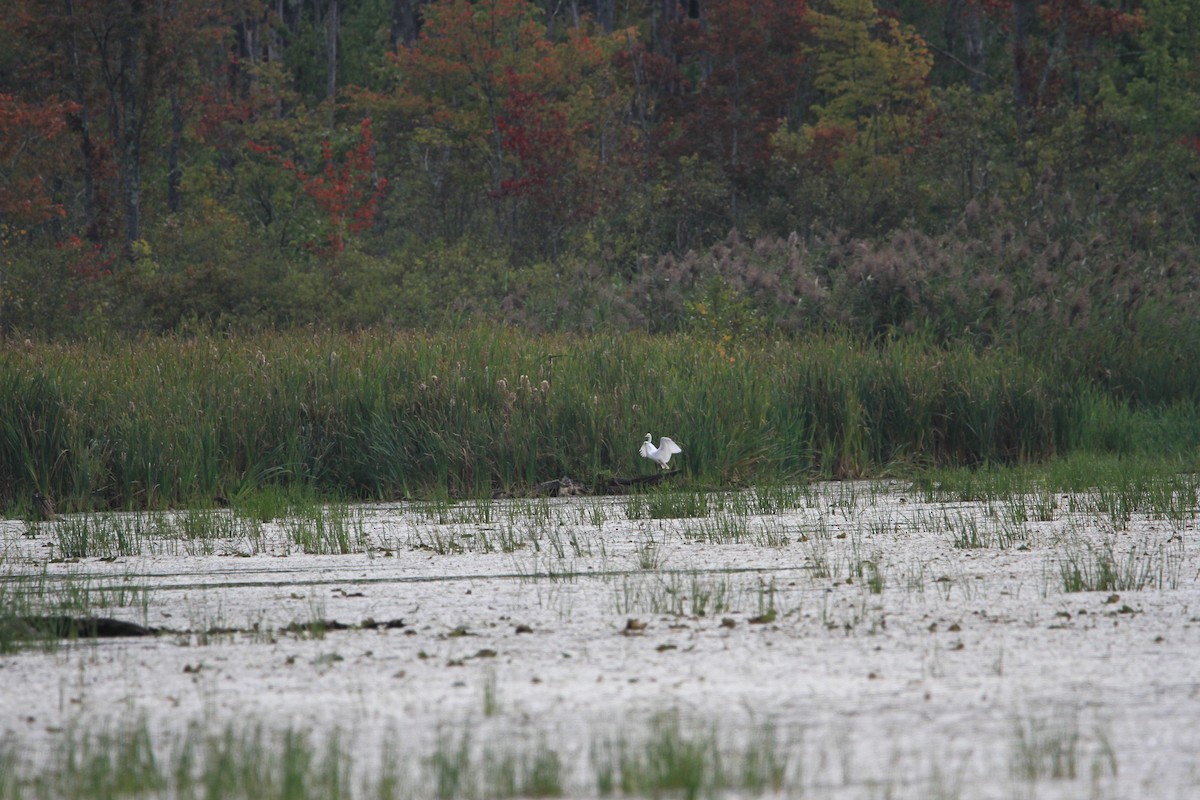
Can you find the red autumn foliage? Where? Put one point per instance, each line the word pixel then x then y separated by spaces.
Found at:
pixel 537 134
pixel 91 261
pixel 25 130
pixel 732 76
pixel 347 194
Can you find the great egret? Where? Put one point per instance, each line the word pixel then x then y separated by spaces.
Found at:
pixel 661 454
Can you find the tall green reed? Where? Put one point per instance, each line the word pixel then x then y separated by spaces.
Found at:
pixel 154 423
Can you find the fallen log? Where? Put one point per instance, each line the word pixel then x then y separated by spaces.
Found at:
pixel 67 627
pixel 616 484
pixel 560 487
pixel 619 485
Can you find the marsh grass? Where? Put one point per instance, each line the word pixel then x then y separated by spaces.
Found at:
pixel 460 769
pixel 766 601
pixel 710 595
pixel 202 529
pixel 451 765
pixel 326 529
pixel 769 533
pixel 9 785
pixel 437 508
pixel 101 535
pixel 491 696
pixel 694 594
pixel 819 558
pixel 240 762
pixel 672 759
pixel 26 599
pixel 721 528
pixel 967 531
pixel 1054 748
pixel 108 764
pixel 1084 566
pixel 444 542
pixel 1116 487
pixel 764 761
pixel 523 774
pixel 252 762
pixel 177 421
pixel 249 761
pixel 774 498
pixel 594 513
pixel 667 504
pixel 915 576
pixel 665 755
pixel 1021 509
pixel 650 554
pixel 538 537
pixel 313 528
pixel 1046 749
pixel 196 531
pixel 870 571
pixel 272 501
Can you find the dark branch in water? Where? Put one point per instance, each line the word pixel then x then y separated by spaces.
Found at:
pixel 566 487
pixel 65 627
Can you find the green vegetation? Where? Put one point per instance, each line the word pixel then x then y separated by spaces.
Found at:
pixel 978 172
pixel 694 594
pixel 251 761
pixel 1052 748
pixel 1087 567
pixel 282 422
pixel 36 607
pixel 235 763
pixel 688 761
pixel 460 771
pixel 661 757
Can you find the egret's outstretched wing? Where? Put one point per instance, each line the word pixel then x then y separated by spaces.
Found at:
pixel 668 446
pixel 648 450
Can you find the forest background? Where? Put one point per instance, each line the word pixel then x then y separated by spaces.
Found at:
pixel 970 167
pixel 1012 181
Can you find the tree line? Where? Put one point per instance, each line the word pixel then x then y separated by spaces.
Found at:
pixel 268 162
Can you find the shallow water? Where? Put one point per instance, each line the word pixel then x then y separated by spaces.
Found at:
pixel 888 660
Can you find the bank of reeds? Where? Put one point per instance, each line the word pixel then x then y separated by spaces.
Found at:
pixel 158 422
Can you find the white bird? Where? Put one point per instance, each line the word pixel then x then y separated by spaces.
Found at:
pixel 661 454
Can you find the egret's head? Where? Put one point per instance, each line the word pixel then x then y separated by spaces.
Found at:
pixel 648 437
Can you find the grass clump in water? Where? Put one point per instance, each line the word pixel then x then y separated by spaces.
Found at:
pixel 1088 567
pixel 38 608
pixel 326 530
pixel 685 761
pixel 669 761
pixel 1053 748
pixel 459 771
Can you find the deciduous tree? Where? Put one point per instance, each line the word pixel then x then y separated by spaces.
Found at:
pixel 488 112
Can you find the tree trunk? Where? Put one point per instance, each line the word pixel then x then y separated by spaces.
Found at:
pixel 406 22
pixel 963 29
pixel 1023 16
pixel 605 14
pixel 662 22
pixel 130 123
pixel 972 30
pixel 174 171
pixel 275 40
pixel 403 23
pixel 332 29
pixel 81 124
